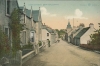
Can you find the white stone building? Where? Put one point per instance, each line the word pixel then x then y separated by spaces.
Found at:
pixel 48 34
pixel 84 35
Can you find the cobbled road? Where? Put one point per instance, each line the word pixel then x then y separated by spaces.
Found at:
pixel 64 54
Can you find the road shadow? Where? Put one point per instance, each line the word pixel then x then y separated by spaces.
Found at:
pixel 35 61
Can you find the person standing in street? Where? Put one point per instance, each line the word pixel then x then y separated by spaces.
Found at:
pixel 48 42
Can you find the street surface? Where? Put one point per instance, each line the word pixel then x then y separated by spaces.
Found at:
pixel 64 54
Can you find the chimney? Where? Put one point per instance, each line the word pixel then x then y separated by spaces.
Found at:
pixel 31 12
pixel 24 8
pixel 81 25
pixel 91 25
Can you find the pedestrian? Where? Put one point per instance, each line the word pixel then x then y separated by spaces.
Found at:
pixel 48 42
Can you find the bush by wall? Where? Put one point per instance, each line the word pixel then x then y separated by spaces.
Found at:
pixel 4 44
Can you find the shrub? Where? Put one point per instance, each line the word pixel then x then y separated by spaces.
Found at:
pixel 95 38
pixel 4 44
pixel 28 46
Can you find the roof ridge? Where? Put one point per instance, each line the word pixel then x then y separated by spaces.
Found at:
pixel 82 32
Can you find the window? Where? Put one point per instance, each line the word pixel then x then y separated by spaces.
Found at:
pixel 24 18
pixel 32 36
pixel 24 37
pixel 7 7
pixel 6 30
pixel 47 34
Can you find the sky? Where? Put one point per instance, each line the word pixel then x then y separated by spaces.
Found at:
pixel 57 13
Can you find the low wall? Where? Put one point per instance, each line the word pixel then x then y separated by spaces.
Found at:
pixel 27 56
pixel 91 47
pixel 18 60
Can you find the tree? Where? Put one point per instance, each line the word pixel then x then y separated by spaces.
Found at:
pixel 58 32
pixel 95 38
pixel 16 27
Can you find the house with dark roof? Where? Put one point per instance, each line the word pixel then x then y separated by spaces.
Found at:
pixel 84 35
pixel 70 34
pixel 48 34
pixel 28 33
pixel 33 26
pixel 74 33
pixel 38 20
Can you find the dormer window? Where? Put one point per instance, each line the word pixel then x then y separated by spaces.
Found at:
pixel 7 7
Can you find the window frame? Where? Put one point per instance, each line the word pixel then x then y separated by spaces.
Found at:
pixel 24 31
pixel 7 14
pixel 5 31
pixel 48 34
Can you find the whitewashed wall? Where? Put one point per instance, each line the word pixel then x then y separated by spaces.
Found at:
pixel 86 36
pixel 44 35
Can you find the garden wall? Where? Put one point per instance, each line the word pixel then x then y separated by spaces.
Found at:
pixel 90 46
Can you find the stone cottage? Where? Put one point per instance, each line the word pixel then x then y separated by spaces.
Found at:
pixel 74 33
pixel 27 20
pixel 48 34
pixel 33 24
pixel 84 35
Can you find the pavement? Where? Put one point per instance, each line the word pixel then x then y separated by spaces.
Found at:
pixel 64 54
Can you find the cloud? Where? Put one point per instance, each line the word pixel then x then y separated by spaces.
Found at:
pixel 45 12
pixel 53 15
pixel 78 14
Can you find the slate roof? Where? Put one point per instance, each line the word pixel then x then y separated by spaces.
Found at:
pixel 81 32
pixel 34 12
pixel 28 12
pixel 35 15
pixel 21 7
pixel 48 29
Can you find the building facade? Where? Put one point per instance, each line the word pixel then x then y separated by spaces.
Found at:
pixel 84 35
pixel 6 8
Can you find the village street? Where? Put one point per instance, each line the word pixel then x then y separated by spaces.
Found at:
pixel 64 54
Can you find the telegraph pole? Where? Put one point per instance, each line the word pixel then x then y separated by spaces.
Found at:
pixel 73 22
pixel 99 25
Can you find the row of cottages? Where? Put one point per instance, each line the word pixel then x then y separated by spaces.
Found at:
pixel 75 32
pixel 30 18
pixel 49 34
pixel 32 27
pixel 82 34
pixel 6 8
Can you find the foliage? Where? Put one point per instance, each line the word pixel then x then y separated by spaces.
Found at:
pixel 16 27
pixel 95 38
pixel 58 32
pixel 28 46
pixel 40 43
pixel 62 31
pixel 4 44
